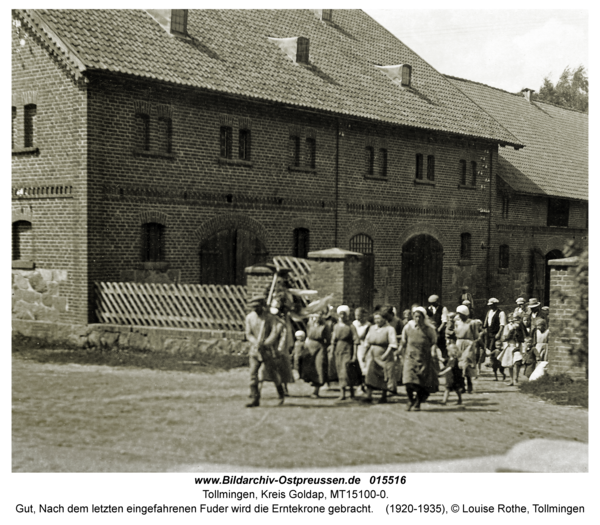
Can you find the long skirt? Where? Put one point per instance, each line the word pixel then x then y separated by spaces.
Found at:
pixel 361 356
pixel 468 356
pixel 343 355
pixel 506 356
pixel 381 375
pixel 312 366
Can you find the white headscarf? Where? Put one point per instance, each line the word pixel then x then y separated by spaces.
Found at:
pixel 343 308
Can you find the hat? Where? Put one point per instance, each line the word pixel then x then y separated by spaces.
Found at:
pixel 546 308
pixel 492 301
pixel 465 287
pixel 257 299
pixel 533 302
pixel 299 333
pixel 462 309
pixel 343 308
pixel 466 302
pixel 420 309
pixel 520 300
pixel 433 298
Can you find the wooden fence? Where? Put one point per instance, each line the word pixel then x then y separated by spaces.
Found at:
pixel 300 270
pixel 207 307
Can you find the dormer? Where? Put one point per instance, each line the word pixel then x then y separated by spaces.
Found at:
pixel 400 74
pixel 173 21
pixel 326 15
pixel 297 48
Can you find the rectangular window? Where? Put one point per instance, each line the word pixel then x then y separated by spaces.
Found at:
pixel 383 160
pixel 463 172
pixel 13 127
pixel 311 153
pixel 153 238
pixel 294 144
pixel 473 173
pixel 302 50
pixel 504 257
pixel 29 116
pixel 22 241
pixel 327 15
pixel 165 126
pixel 558 212
pixel 465 245
pixel 179 21
pixel 226 136
pixel 505 204
pixel 419 167
pixel 244 153
pixel 142 124
pixel 370 160
pixel 301 242
pixel 430 167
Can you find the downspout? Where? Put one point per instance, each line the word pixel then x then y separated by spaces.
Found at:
pixel 337 178
pixel 489 238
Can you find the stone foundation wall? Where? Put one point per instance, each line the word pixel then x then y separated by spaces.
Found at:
pixel 36 294
pixel 150 339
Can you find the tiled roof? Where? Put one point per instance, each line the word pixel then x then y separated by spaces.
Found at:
pixel 229 52
pixel 554 160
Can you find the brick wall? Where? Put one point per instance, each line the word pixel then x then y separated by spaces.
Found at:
pixel 49 186
pixel 563 306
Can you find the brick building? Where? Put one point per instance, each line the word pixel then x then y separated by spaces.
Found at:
pixel 181 146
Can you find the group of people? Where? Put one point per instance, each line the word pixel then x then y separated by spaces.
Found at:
pixel 427 349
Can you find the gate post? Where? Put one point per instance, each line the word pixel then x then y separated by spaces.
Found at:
pixel 338 272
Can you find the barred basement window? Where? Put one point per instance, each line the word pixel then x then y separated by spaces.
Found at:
pixel 142 131
pixel 504 256
pixel 505 204
pixel 430 167
pixel 419 167
pixel 558 212
pixel 301 242
pixel 22 241
pixel 311 153
pixel 294 145
pixel 226 139
pixel 13 127
pixel 473 173
pixel 153 242
pixel 29 116
pixel 465 246
pixel 370 160
pixel 463 172
pixel 383 160
pixel 179 21
pixel 245 139
pixel 165 126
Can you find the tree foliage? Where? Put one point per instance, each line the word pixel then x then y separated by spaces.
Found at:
pixel 571 90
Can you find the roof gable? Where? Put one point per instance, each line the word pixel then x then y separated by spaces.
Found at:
pixel 228 51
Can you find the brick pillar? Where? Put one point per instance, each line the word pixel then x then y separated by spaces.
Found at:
pixel 564 296
pixel 258 280
pixel 338 272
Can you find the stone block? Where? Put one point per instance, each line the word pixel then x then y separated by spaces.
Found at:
pixel 47 300
pixel 109 339
pixel 53 288
pixel 21 282
pixel 94 338
pixel 77 340
pixel 124 340
pixel 59 275
pixel 172 346
pixel 37 282
pixel 22 310
pixel 46 274
pixel 44 314
pixel 138 341
pixel 60 303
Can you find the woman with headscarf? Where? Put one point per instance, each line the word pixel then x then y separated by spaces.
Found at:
pixel 312 367
pixel 381 343
pixel 466 331
pixel 419 373
pixel 344 342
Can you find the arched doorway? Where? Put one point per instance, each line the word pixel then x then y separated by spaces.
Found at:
pixel 554 254
pixel 225 255
pixel 422 267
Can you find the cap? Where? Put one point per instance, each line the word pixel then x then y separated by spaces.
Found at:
pixel 492 301
pixel 462 309
pixel 520 300
pixel 433 298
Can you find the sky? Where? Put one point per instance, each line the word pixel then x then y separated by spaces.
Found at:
pixel 507 49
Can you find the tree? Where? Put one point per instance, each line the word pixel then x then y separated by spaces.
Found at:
pixel 571 90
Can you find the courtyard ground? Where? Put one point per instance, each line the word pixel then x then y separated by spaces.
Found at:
pixel 90 418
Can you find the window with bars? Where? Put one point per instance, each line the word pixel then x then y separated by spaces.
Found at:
pixel 153 242
pixel 462 170
pixel 226 135
pixel 165 126
pixel 383 162
pixel 361 243
pixel 311 153
pixel 370 160
pixel 22 241
pixel 301 242
pixel 505 205
pixel 294 146
pixel 558 212
pixel 179 21
pixel 504 256
pixel 142 131
pixel 473 173
pixel 430 167
pixel 465 246
pixel 419 166
pixel 30 112
pixel 245 143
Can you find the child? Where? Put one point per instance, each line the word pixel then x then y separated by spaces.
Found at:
pixel 452 375
pixel 298 347
pixel 510 348
pixel 495 363
pixel 450 325
pixel 529 356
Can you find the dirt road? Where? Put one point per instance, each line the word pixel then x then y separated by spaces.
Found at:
pixel 74 418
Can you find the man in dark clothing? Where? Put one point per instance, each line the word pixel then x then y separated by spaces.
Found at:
pixel 493 324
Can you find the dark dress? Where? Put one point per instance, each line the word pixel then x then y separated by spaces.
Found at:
pixel 381 374
pixel 418 367
pixel 313 362
pixel 345 337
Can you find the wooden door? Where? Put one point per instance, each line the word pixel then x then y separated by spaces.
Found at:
pixel 422 268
